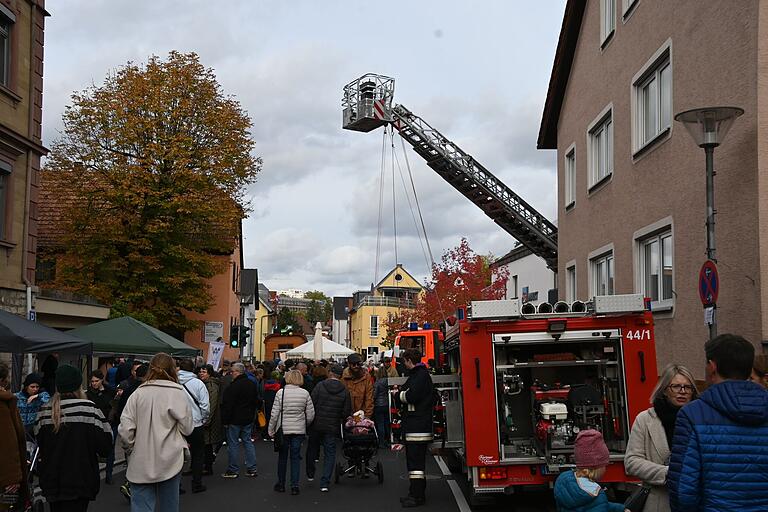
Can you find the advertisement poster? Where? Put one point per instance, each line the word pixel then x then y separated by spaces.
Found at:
pixel 213 331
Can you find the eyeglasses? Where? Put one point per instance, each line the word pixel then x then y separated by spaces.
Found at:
pixel 681 388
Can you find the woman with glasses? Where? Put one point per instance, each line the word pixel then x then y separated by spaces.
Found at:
pixel 649 444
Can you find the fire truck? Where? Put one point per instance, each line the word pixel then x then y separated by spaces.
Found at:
pixel 517 385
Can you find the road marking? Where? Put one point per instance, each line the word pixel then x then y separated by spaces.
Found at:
pixel 442 465
pixel 461 501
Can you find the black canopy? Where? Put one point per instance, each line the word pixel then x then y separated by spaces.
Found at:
pixel 20 336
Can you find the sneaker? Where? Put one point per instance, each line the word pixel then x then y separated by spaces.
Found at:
pixel 279 488
pixel 294 491
pixel 323 489
pixel 229 474
pixel 125 490
pixel 252 473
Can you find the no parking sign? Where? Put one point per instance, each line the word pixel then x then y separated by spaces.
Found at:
pixel 709 283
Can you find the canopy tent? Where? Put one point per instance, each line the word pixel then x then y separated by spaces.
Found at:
pixel 330 349
pixel 20 336
pixel 126 335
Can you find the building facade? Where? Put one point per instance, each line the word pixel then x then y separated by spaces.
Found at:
pixel 631 181
pixel 397 292
pixel 528 279
pixel 22 24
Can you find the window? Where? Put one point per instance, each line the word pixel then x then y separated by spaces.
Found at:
pixel 601 150
pixel 374 332
pixel 653 99
pixel 5 197
pixel 7 18
pixel 570 178
pixel 656 265
pixel 602 274
pixel 628 5
pixel 607 20
pixel 570 284
pixel 514 287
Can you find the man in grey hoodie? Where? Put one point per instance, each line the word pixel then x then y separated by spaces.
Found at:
pixel 332 404
pixel 197 394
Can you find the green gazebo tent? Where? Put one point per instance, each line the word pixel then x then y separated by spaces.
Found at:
pixel 126 335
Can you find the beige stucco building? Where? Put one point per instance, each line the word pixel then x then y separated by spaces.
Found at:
pixel 631 181
pixel 397 292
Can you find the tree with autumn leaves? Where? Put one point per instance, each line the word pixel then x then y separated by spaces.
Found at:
pixel 460 277
pixel 150 169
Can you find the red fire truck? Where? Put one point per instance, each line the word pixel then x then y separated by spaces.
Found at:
pixel 517 386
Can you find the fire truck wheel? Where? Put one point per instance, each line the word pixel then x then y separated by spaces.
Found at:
pixel 380 472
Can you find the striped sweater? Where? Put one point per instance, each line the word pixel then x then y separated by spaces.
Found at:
pixel 69 458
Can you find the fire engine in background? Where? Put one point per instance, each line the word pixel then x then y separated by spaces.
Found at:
pixel 517 386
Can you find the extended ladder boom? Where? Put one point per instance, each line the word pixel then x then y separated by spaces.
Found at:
pixel 368 104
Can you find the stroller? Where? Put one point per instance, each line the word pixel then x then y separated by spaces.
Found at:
pixel 36 501
pixel 358 450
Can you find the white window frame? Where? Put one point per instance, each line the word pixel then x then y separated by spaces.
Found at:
pixel 651 72
pixel 600 145
pixel 659 229
pixel 514 286
pixel 373 331
pixel 603 255
pixel 569 166
pixel 626 7
pixel 571 282
pixel 607 20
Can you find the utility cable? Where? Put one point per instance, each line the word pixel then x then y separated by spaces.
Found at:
pixel 381 206
pixel 394 205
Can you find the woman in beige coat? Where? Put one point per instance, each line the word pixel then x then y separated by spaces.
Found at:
pixel 647 455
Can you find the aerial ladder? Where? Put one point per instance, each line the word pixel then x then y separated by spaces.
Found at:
pixel 368 104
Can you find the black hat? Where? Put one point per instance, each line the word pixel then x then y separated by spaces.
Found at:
pixel 33 378
pixel 354 358
pixel 336 369
pixel 68 379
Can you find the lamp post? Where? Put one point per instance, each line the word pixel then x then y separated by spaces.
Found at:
pixel 708 126
pixel 251 321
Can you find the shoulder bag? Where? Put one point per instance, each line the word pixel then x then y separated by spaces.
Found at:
pixel 279 437
pixel 636 500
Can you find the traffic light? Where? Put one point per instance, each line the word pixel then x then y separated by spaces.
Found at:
pixel 234 336
pixel 244 333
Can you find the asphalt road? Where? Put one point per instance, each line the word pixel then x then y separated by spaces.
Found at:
pixel 444 493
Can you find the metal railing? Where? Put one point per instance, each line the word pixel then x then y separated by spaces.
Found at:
pixel 392 302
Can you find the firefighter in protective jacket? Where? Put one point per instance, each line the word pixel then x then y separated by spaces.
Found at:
pixel 416 402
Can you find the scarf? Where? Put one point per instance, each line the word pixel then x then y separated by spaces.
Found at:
pixel 667 413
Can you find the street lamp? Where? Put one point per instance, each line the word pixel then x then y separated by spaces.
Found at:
pixel 708 126
pixel 251 320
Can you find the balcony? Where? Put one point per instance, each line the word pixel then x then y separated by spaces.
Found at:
pixel 391 302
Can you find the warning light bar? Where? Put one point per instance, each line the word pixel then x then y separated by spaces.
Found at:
pixel 495 309
pixel 630 303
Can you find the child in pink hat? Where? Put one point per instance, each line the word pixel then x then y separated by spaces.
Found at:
pixel 579 490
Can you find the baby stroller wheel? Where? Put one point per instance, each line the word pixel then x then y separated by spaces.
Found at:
pixel 339 471
pixel 380 472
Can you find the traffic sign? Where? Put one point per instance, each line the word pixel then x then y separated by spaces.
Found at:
pixel 709 283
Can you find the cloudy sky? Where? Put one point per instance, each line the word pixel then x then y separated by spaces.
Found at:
pixel 475 71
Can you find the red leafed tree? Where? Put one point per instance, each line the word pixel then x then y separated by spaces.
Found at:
pixel 461 277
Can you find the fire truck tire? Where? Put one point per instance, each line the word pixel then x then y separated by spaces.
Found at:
pixel 380 472
pixel 338 472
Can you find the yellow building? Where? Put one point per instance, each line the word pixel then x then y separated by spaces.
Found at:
pixel 396 292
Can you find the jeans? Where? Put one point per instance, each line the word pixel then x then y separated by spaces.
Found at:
pixel 197 452
pixel 235 432
pixel 292 445
pixel 381 419
pixel 111 456
pixel 328 441
pixel 157 497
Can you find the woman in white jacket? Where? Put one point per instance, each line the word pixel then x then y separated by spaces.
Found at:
pixel 154 422
pixel 648 450
pixel 293 410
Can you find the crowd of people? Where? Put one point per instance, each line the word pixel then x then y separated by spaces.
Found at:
pixel 692 450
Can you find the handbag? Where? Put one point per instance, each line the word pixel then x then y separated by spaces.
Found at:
pixel 636 500
pixel 261 419
pixel 279 438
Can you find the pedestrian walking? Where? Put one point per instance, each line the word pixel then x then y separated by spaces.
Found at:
pixel 719 451
pixel 358 383
pixel 213 430
pixel 72 434
pixel 48 370
pixel 760 370
pixel 381 405
pixel 238 409
pixel 197 394
pixel 103 398
pixel 31 399
pixel 416 399
pixel 332 404
pixel 647 454
pixel 271 387
pixel 13 463
pixel 579 490
pixel 292 412
pixel 154 422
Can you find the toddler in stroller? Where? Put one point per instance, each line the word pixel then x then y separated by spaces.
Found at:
pixel 360 442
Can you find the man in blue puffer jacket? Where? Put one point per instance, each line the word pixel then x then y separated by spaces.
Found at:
pixel 720 448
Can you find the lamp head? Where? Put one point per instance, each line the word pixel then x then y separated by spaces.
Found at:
pixel 709 125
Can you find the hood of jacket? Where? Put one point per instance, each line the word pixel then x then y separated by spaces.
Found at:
pixel 185 376
pixel 742 401
pixel 568 491
pixel 334 386
pixel 161 384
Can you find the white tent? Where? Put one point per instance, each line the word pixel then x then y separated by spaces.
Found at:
pixel 330 349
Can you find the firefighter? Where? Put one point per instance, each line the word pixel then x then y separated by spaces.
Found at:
pixel 416 402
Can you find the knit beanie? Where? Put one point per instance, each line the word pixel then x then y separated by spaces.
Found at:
pixel 33 378
pixel 68 379
pixel 590 450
